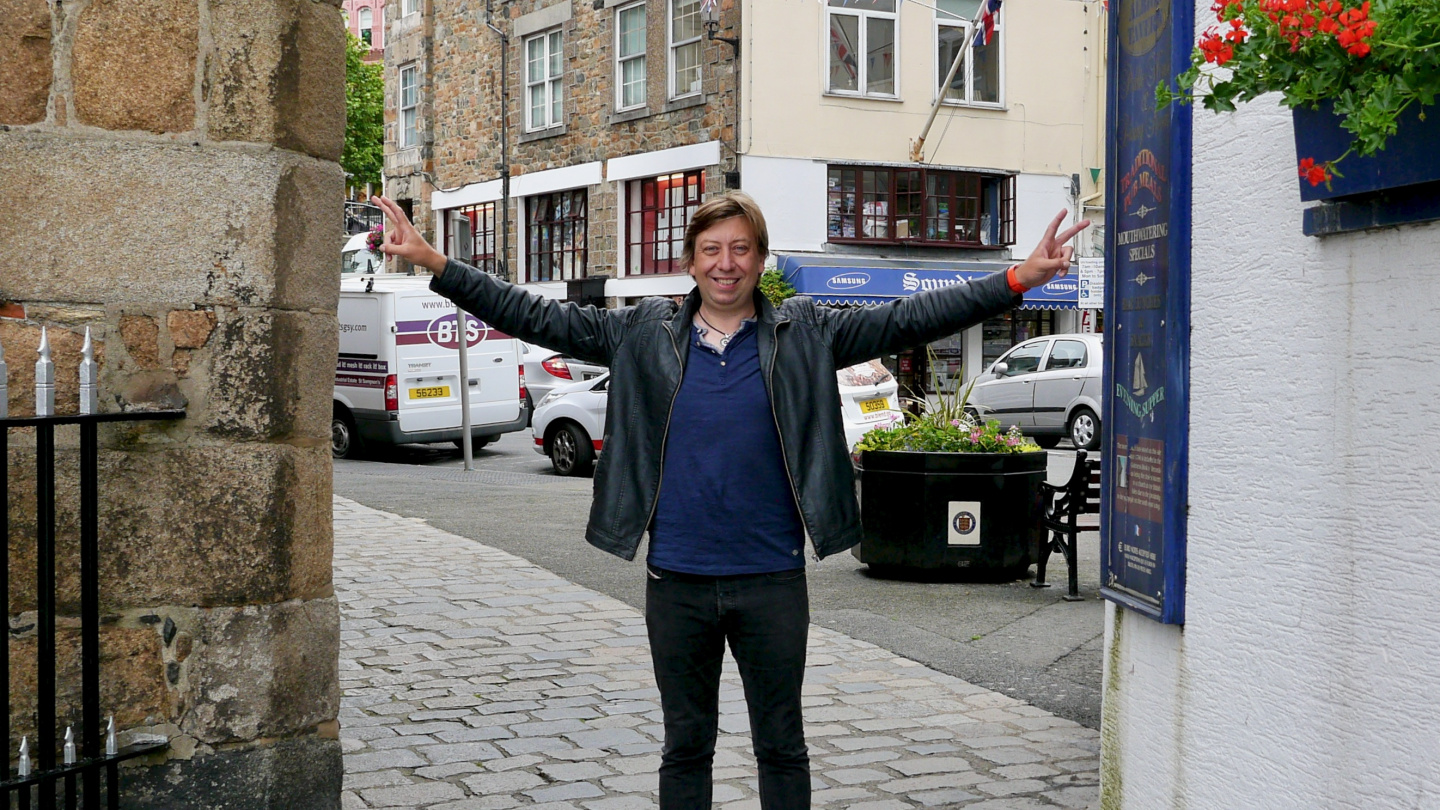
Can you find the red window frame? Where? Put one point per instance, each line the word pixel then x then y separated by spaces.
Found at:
pixel 555 235
pixel 871 204
pixel 657 211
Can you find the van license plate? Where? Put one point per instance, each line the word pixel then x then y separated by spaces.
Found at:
pixel 874 405
pixel 433 392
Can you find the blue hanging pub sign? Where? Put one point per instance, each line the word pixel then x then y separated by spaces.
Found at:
pixel 841 280
pixel 1147 313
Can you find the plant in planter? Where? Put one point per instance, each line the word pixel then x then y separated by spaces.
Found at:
pixel 945 490
pixel 1376 65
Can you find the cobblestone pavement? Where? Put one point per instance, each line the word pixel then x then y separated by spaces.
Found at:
pixel 475 680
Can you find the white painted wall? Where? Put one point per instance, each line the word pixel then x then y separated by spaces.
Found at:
pixel 1308 673
pixel 791 192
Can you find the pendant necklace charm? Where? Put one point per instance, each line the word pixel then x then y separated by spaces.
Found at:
pixel 724 338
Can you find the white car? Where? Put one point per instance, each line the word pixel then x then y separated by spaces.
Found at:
pixel 1048 386
pixel 546 369
pixel 569 422
pixel 355 257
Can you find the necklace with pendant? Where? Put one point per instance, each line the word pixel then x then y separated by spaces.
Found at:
pixel 724 338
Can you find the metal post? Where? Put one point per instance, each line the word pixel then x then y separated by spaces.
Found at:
pixel 44 379
pixel 462 320
pixel 917 146
pixel 45 607
pixel 90 729
pixel 89 401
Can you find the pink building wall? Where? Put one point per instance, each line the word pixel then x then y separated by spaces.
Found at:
pixel 377 16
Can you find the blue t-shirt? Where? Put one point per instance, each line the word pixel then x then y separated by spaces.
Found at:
pixel 726 505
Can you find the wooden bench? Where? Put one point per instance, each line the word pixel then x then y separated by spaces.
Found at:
pixel 1064 504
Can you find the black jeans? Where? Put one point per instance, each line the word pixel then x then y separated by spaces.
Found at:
pixel 765 618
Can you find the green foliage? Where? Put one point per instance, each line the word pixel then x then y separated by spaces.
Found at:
pixel 774 286
pixel 364 116
pixel 1372 60
pixel 946 427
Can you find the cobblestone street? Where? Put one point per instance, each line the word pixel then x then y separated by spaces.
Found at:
pixel 475 680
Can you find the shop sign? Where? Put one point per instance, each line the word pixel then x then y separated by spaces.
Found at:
pixel 1090 276
pixel 1147 313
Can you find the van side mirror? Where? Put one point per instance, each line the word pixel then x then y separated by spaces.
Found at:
pixel 1000 369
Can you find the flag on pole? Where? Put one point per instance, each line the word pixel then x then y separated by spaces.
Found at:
pixel 985 22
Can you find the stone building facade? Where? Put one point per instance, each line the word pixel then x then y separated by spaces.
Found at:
pixel 169 181
pixel 574 149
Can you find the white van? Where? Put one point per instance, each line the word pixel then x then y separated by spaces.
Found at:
pixel 397 379
pixel 355 257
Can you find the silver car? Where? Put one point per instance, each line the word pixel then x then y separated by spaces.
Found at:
pixel 1048 386
pixel 545 369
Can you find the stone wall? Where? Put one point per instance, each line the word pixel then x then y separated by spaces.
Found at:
pixel 169 180
pixel 462 102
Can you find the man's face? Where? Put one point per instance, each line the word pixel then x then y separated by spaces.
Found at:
pixel 727 266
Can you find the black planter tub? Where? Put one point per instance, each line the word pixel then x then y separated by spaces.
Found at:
pixel 933 511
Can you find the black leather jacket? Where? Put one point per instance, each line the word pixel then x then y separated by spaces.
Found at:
pixel 801 346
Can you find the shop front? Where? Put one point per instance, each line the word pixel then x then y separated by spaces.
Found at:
pixel 943 366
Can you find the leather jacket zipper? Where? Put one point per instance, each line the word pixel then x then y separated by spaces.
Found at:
pixel 665 437
pixel 794 492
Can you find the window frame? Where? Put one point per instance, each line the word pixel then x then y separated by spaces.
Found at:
pixel 411 7
pixel 365 21
pixel 672 48
pixel 967 71
pixel 410 109
pixel 637 260
pixel 869 204
pixel 482 237
pixel 578 246
pixel 862 77
pixel 553 84
pixel 621 58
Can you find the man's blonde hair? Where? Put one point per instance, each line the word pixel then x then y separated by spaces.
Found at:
pixel 729 205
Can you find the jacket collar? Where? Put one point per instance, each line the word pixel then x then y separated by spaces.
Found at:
pixel 765 312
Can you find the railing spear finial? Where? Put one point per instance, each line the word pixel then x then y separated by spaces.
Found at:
pixel 44 379
pixel 112 745
pixel 68 752
pixel 24 768
pixel 88 387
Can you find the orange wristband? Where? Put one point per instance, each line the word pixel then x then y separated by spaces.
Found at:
pixel 1014 281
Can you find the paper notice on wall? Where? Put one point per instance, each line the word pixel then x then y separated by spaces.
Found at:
pixel 1090 273
pixel 964 529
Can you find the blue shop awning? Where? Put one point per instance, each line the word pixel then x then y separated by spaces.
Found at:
pixel 861 280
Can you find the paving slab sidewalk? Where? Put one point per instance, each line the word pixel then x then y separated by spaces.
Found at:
pixel 475 680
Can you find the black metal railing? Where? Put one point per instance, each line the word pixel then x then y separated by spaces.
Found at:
pixel 85 771
pixel 361 217
pixel 76 779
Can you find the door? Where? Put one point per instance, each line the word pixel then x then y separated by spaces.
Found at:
pixel 1009 397
pixel 1059 382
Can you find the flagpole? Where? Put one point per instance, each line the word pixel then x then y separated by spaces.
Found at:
pixel 917 146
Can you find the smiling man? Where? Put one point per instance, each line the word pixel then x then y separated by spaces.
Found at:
pixel 724 441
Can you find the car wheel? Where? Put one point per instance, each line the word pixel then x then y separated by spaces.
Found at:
pixel 475 444
pixel 1047 442
pixel 1085 429
pixel 571 452
pixel 344 440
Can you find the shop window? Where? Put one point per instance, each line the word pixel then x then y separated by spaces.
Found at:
pixel 862 47
pixel 1016 326
pixel 630 57
pixel 555 236
pixel 657 209
pixel 684 48
pixel 921 205
pixel 978 81
pixel 544 61
pixel 470 236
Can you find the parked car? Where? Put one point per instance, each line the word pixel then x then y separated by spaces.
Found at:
pixel 1048 386
pixel 355 257
pixel 569 422
pixel 545 369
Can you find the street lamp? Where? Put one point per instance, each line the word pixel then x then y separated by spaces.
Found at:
pixel 710 16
